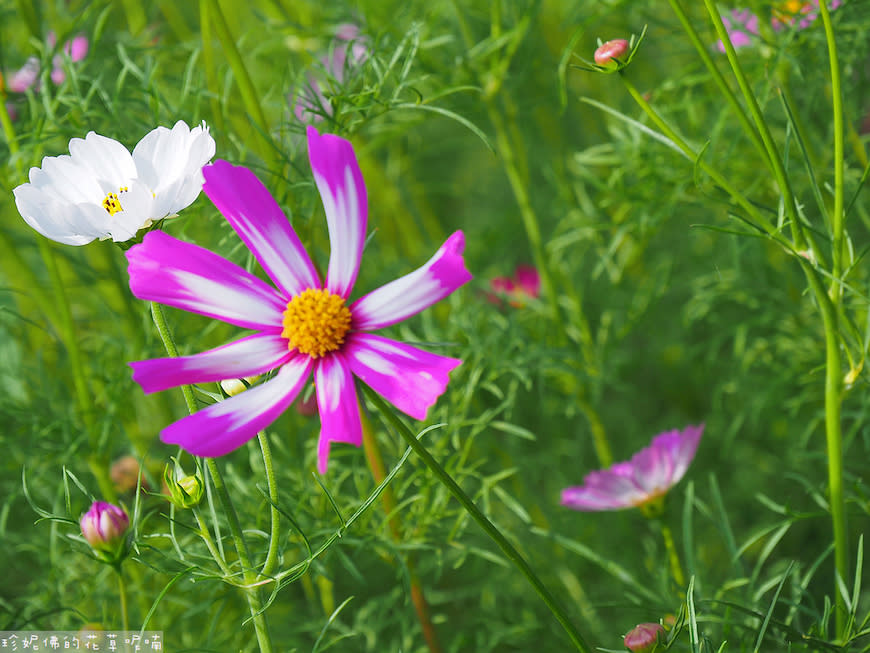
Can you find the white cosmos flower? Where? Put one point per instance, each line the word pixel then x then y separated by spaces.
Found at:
pixel 101 190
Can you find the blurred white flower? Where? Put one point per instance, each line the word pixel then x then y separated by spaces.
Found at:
pixel 101 190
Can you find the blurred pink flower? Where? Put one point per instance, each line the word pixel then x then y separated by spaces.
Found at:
pixel 742 24
pixel 311 103
pixel 516 290
pixel 647 476
pixel 76 50
pixel 24 77
pixel 28 75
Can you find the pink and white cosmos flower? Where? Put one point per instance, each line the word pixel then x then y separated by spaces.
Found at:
pixel 302 326
pixel 649 474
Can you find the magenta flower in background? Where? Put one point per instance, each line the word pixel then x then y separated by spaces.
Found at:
pixel 786 14
pixel 742 24
pixel 647 476
pixel 350 50
pixel 104 525
pixel 76 50
pixel 525 284
pixel 302 325
pixel 25 77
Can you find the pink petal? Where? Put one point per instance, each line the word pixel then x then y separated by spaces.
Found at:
pixel 228 424
pixel 261 224
pixel 409 378
pixel 681 447
pixel 249 356
pixel 408 295
pixel 337 404
pixel 166 270
pixel 345 203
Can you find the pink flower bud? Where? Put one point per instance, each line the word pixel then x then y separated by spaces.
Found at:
pixel 104 525
pixel 644 638
pixel 614 49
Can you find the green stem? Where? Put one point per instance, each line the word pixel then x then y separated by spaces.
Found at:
pixel 243 79
pixel 97 463
pixel 136 20
pixel 833 373
pixel 774 160
pixel 205 534
pixel 122 593
pixel 703 50
pixel 673 555
pixel 738 197
pixel 272 483
pixel 252 592
pixel 837 219
pixel 388 498
pixel 491 529
pixel 599 436
pixel 527 213
pixel 165 334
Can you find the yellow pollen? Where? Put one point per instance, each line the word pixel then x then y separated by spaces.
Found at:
pixel 111 202
pixel 316 322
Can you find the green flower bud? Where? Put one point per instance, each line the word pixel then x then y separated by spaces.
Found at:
pixel 184 491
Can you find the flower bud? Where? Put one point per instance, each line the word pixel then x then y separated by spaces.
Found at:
pixel 126 474
pixel 234 386
pixel 104 526
pixel 644 638
pixel 184 491
pixel 607 52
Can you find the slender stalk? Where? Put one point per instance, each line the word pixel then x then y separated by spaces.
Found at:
pixel 489 528
pixel 738 197
pixel 240 72
pixel 388 498
pixel 252 592
pixel 122 593
pixel 833 372
pixel 837 219
pixel 97 463
pixel 773 158
pixel 527 213
pixel 673 555
pixel 599 435
pixel 136 20
pixel 703 50
pixel 205 534
pixel 275 515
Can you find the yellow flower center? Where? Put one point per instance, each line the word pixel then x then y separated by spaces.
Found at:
pixel 316 322
pixel 112 203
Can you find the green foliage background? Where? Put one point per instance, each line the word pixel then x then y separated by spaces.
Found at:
pixel 665 320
